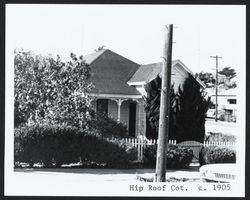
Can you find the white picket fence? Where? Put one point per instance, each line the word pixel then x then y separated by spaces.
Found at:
pixel 141 143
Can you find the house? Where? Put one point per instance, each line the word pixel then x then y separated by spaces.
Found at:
pixel 222 78
pixel 227 102
pixel 147 73
pixel 119 86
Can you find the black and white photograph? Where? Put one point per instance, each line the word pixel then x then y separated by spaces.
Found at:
pixel 125 100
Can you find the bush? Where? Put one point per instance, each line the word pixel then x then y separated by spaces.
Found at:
pixel 48 90
pixel 188 107
pixel 47 144
pixel 210 155
pixel 107 127
pixel 177 157
pixel 100 152
pixel 57 145
pixel 219 137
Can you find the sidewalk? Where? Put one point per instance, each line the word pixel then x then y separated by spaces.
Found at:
pixel 100 174
pixel 89 182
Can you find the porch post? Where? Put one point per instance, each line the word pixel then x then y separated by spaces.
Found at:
pixel 142 118
pixel 119 103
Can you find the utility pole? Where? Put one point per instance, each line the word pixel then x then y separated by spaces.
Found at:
pixel 161 160
pixel 216 86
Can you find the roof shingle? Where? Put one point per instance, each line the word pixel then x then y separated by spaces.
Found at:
pixel 147 73
pixel 110 73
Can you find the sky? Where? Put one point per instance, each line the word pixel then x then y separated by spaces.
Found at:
pixel 133 31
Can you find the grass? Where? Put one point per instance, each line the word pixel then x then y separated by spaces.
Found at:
pixel 171 179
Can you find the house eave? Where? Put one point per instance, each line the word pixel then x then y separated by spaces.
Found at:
pixel 122 96
pixel 137 83
pixel 226 95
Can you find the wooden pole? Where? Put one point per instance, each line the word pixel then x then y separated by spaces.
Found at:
pixel 161 159
pixel 216 91
pixel 216 87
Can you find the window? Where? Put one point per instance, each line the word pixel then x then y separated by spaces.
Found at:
pixel 102 106
pixel 231 101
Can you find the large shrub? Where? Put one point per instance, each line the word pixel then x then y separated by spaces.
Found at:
pixel 100 152
pixel 213 154
pixel 219 137
pixel 103 125
pixel 50 91
pixel 191 112
pixel 57 145
pixel 177 157
pixel 188 107
pixel 46 144
pixel 152 107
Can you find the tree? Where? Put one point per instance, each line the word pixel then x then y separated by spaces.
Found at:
pixel 50 91
pixel 188 107
pixel 207 78
pixel 228 72
pixel 190 116
pixel 152 106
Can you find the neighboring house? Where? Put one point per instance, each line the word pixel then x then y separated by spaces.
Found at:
pixel 222 78
pixel 119 86
pixel 227 103
pixel 233 80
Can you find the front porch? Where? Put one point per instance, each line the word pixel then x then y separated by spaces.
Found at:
pixel 126 109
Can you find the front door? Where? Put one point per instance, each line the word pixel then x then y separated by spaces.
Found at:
pixel 132 119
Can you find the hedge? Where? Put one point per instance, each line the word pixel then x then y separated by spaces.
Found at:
pixel 213 154
pixel 107 127
pixel 106 153
pixel 57 145
pixel 177 157
pixel 219 137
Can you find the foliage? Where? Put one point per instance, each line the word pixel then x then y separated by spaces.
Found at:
pixel 46 144
pixel 152 106
pixel 207 78
pixel 232 85
pixel 50 91
pixel 191 112
pixel 219 137
pixel 107 127
pixel 57 145
pixel 213 154
pixel 101 152
pixel 177 157
pixel 188 109
pixel 228 72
